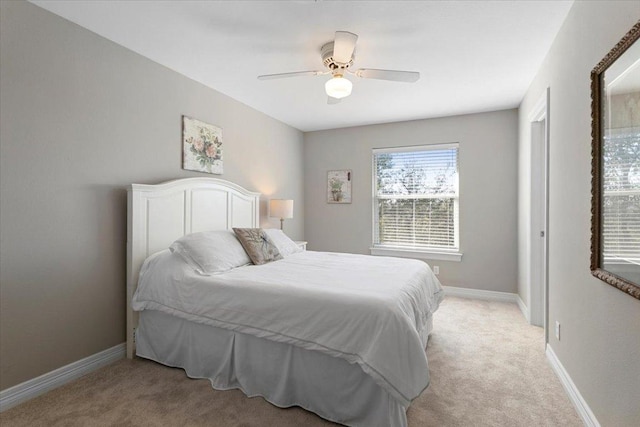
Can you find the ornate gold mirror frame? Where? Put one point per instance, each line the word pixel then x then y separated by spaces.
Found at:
pixel 615 167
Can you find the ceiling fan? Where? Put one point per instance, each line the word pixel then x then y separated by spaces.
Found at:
pixel 338 57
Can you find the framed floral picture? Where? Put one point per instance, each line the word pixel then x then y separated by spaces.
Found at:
pixel 339 186
pixel 201 146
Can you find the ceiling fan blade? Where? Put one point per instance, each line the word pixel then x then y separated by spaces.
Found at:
pixel 295 74
pixel 393 75
pixel 331 100
pixel 343 46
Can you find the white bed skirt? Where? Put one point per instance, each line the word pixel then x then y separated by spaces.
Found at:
pixel 283 374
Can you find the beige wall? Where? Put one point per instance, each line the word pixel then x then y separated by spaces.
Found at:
pixel 488 143
pixel 600 340
pixel 81 118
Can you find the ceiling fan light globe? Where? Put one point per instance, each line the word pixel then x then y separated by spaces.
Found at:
pixel 338 87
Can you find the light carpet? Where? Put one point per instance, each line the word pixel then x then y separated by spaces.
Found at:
pixel 487 366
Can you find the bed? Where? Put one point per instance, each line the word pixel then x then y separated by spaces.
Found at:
pixel 332 333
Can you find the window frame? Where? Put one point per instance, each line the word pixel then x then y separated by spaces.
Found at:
pixel 434 253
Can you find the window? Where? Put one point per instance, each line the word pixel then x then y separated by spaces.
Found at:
pixel 415 202
pixel 621 198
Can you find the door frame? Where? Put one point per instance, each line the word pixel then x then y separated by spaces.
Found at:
pixel 539 214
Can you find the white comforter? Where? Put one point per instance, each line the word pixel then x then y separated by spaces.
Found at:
pixel 367 310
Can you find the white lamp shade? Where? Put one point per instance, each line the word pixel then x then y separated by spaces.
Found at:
pixel 338 87
pixel 281 208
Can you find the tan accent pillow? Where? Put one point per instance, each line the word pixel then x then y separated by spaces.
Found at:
pixel 258 246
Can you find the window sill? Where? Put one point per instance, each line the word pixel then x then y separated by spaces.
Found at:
pixel 407 253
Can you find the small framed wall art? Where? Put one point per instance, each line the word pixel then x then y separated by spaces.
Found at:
pixel 201 146
pixel 339 186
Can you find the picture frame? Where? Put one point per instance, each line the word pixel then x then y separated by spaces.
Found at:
pixel 615 177
pixel 339 186
pixel 201 146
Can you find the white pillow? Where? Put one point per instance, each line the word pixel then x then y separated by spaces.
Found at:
pixel 211 252
pixel 282 242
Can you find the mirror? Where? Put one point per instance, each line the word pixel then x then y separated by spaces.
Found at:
pixel 615 209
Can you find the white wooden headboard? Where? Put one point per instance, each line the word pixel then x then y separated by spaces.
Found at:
pixel 159 214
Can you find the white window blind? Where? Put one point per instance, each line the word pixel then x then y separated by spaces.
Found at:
pixel 621 198
pixel 416 198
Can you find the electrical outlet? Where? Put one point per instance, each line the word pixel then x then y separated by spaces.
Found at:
pixel 557 330
pixel 436 270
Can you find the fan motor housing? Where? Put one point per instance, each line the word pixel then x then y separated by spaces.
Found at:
pixel 327 58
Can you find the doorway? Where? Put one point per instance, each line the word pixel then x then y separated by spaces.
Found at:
pixel 538 280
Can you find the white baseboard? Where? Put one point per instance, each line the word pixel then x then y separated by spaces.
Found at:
pixel 588 418
pixel 523 308
pixel 480 294
pixel 40 385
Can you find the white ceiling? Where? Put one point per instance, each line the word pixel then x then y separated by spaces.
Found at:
pixel 473 56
